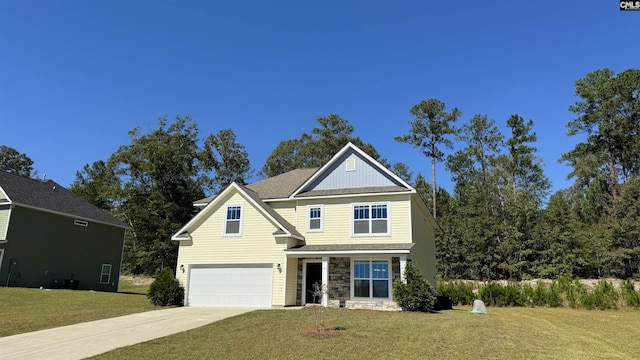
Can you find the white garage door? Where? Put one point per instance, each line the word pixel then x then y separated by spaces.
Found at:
pixel 234 286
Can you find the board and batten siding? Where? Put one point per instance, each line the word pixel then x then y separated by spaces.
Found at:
pixel 423 252
pixel 255 245
pixel 338 218
pixel 364 174
pixel 4 221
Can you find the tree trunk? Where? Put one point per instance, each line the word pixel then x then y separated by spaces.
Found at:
pixel 433 182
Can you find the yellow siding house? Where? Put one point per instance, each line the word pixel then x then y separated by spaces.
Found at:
pixel 347 229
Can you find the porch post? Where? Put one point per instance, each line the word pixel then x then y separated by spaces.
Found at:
pixel 403 265
pixel 325 281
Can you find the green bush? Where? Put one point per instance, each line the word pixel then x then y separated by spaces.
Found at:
pixel 554 296
pixel 540 294
pixel 491 294
pixel 606 296
pixel 417 294
pixel 166 290
pixel 629 293
pixel 460 292
pixel 527 294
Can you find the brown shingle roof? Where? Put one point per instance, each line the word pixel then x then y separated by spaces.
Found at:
pixel 283 185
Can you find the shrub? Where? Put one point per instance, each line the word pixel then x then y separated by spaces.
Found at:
pixel 166 290
pixel 512 295
pixel 527 294
pixel 554 298
pixel 606 296
pixel 417 294
pixel 539 294
pixel 460 292
pixel 629 293
pixel 491 293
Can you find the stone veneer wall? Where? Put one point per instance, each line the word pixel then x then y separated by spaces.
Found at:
pixel 340 280
pixel 339 286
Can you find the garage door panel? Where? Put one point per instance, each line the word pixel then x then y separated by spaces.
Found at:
pixel 236 286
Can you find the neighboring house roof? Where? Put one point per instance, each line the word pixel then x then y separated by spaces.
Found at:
pixel 285 229
pixel 52 197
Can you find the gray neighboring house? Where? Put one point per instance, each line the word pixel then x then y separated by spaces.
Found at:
pixel 51 237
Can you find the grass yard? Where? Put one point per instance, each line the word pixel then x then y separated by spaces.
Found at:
pixel 25 310
pixel 504 333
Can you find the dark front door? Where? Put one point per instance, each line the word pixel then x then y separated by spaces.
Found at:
pixel 314 276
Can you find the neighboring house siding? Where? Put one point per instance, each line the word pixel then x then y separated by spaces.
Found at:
pixel 364 175
pixel 256 245
pixel 49 249
pixel 5 211
pixel 423 252
pixel 338 218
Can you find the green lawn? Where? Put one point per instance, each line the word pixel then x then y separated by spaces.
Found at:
pixel 504 333
pixel 25 310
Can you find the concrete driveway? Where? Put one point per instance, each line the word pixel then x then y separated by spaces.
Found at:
pixel 96 337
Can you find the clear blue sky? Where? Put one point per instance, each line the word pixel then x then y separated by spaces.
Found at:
pixel 76 76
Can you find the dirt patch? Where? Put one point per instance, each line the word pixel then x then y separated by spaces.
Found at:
pixel 137 279
pixel 327 333
pixel 588 283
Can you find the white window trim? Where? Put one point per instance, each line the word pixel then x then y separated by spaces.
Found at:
pixel 102 273
pixel 309 207
pixel 389 279
pixel 82 223
pixel 224 225
pixel 370 234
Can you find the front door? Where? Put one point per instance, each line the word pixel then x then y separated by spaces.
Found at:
pixel 313 276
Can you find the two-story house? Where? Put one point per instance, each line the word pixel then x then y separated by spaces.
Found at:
pixel 350 225
pixel 52 238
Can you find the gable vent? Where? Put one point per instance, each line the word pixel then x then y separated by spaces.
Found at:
pixel 350 164
pixel 80 223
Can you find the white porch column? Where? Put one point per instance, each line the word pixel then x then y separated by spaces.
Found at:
pixel 325 281
pixel 403 265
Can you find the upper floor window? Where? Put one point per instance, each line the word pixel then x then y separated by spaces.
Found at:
pixel 233 220
pixel 315 218
pixel 370 219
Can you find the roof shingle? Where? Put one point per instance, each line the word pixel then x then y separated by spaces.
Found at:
pixel 51 196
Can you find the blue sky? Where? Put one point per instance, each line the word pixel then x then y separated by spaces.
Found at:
pixel 76 76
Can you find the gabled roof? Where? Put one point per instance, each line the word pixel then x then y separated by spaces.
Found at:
pixel 285 229
pixel 350 147
pixel 51 197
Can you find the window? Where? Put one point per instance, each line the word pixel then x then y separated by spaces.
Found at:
pixel 80 223
pixel 105 274
pixel 233 219
pixel 350 164
pixel 370 219
pixel 371 279
pixel 315 218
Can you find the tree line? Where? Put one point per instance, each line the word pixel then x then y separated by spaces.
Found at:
pixel 500 220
